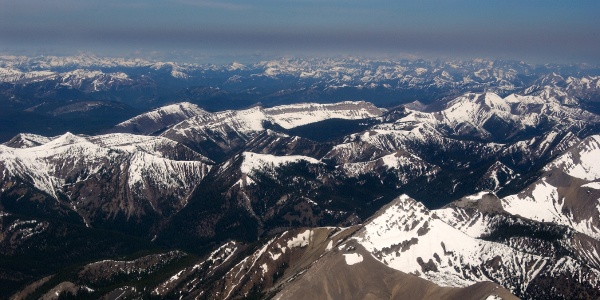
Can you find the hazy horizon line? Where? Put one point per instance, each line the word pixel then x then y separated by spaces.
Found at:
pixel 202 57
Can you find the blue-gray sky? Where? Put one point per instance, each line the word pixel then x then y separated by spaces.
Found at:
pixel 531 30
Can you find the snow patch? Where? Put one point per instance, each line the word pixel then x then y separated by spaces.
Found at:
pixel 353 258
pixel 264 268
pixel 329 246
pixel 476 197
pixel 592 185
pixel 301 240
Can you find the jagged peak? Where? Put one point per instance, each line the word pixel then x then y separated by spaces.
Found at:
pixel 400 206
pixel 494 101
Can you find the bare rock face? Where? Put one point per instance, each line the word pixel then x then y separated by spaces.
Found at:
pixel 352 273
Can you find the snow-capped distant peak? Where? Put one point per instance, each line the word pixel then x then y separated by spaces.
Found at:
pixel 236 66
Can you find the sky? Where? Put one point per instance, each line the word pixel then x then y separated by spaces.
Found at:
pixel 531 30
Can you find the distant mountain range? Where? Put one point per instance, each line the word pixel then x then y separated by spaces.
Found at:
pixel 50 95
pixel 488 191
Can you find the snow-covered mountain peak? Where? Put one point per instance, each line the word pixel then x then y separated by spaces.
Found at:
pixel 160 118
pixel 67 138
pixel 551 79
pixel 16 76
pixel 176 70
pixel 490 116
pixel 153 145
pixel 585 83
pixel 446 247
pixel 582 161
pixel 552 95
pixel 405 165
pixel 236 66
pixel 565 193
pixel 27 140
pixel 494 101
pixel 183 110
pixel 66 142
pixel 516 99
pixel 154 175
pixel 93 80
pixel 472 106
pixel 468 114
pixel 408 237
